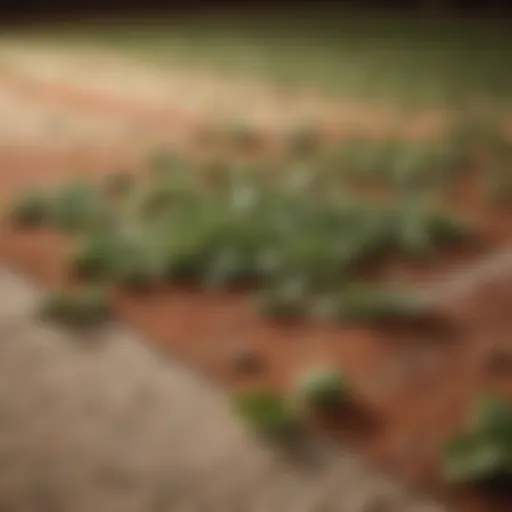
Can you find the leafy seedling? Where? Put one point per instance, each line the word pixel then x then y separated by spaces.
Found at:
pixel 133 269
pixel 267 413
pixel 347 155
pixel 95 256
pixel 363 303
pixel 483 451
pixel 187 245
pixel 323 388
pixel 413 166
pixel 87 307
pixel 30 209
pixel 156 201
pixel 77 207
pixel 375 159
pixel 420 229
pixel 227 267
pixel 314 257
pixel 285 301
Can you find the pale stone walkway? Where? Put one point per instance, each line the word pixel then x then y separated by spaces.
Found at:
pixel 102 424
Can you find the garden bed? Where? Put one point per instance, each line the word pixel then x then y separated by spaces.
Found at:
pixel 413 383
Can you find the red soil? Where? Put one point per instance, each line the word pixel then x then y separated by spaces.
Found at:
pixel 413 384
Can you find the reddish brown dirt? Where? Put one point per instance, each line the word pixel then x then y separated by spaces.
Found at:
pixel 413 385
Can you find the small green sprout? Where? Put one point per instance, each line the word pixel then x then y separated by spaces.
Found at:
pixel 133 269
pixel 83 308
pixel 323 387
pixel 93 258
pixel 30 208
pixel 363 303
pixel 285 300
pixel 77 207
pixel 266 412
pixel 483 451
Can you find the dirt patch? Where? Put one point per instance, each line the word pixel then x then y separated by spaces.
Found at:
pixel 413 385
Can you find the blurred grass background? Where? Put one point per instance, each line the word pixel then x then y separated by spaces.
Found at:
pixel 407 59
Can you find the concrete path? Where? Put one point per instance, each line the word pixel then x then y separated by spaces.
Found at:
pixel 102 424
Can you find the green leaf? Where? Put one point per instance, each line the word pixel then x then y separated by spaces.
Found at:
pixel 469 458
pixel 266 412
pixel 82 308
pixel 323 387
pixel 92 258
pixel 492 417
pixel 286 299
pixel 364 303
pixel 30 208
pixel 77 207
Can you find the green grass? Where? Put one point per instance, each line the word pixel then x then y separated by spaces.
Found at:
pixel 405 59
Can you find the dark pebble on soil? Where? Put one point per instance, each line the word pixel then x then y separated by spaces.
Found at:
pixel 247 361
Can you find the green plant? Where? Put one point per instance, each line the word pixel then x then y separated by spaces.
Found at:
pixel 284 300
pixel 187 244
pixel 414 166
pixel 483 451
pixel 362 158
pixel 94 257
pixel 447 228
pixel 226 267
pixel 154 201
pixel 134 268
pixel 82 308
pixel 323 387
pixel 361 302
pixel 421 229
pixel 374 158
pixel 30 208
pixel 266 412
pixel 151 202
pixel 77 207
